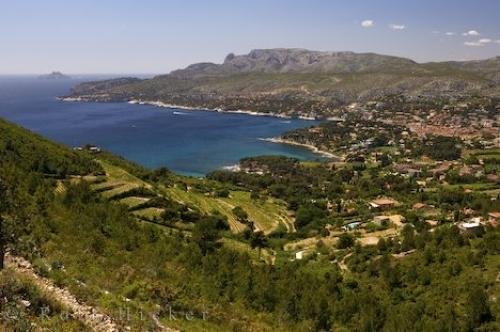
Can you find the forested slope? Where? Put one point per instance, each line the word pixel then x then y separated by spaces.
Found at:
pixel 97 249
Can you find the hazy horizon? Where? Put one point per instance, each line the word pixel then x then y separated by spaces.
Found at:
pixel 216 62
pixel 155 37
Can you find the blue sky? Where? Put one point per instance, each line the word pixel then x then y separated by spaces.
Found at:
pixel 154 36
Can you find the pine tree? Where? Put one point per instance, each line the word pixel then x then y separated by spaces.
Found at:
pixel 2 244
pixel 3 237
pixel 478 308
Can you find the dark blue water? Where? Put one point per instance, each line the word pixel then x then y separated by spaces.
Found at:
pixel 188 142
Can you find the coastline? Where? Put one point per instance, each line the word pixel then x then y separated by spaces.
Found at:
pixel 276 140
pixel 314 149
pixel 219 110
pixel 188 108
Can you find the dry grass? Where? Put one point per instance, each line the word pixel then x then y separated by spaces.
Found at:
pixel 266 215
pixel 133 201
pixel 149 213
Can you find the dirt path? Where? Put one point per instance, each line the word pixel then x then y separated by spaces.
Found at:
pixel 342 264
pixel 90 316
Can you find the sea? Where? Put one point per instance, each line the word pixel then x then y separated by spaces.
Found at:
pixel 189 142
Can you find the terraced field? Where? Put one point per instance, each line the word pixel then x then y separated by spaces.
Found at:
pixel 267 216
pixel 134 201
pixel 120 182
pixel 150 213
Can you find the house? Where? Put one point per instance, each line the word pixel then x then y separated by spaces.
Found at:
pixel 493 178
pixel 465 170
pixel 418 206
pixel 407 169
pixel 397 220
pixel 382 203
pixel 421 183
pixel 471 224
pixel 351 226
pixel 381 220
pixel 88 147
pixel 441 168
pixel 474 170
pixel 394 219
pixel 94 149
pixel 494 218
pixel 432 222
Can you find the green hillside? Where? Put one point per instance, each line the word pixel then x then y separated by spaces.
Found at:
pixel 32 152
pixel 91 224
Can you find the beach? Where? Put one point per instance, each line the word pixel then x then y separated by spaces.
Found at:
pixel 314 149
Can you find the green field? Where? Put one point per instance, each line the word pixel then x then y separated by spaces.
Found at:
pixel 266 216
pixel 119 181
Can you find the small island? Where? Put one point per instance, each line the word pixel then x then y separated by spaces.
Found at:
pixel 55 75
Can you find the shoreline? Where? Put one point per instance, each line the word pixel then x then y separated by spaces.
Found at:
pixel 189 108
pixel 314 149
pixel 276 140
pixel 218 110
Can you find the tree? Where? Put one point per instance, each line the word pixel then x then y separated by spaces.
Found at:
pixel 478 308
pixel 240 214
pixel 223 193
pixel 206 234
pixel 385 160
pixel 382 245
pixel 345 241
pixel 2 243
pixel 3 236
pixel 443 148
pixel 258 240
pixel 408 233
pixel 339 206
pixel 307 214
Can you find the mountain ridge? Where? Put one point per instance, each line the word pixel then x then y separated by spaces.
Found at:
pixel 302 82
pixel 283 60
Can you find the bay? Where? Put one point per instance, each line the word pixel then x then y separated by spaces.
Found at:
pixel 189 142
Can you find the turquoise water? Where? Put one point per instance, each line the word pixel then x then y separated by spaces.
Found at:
pixel 187 142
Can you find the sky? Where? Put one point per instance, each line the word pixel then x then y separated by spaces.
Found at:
pixel 156 36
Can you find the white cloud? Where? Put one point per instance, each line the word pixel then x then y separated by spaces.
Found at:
pixel 484 40
pixel 397 26
pixel 450 33
pixel 478 43
pixel 473 44
pixel 471 33
pixel 497 41
pixel 367 24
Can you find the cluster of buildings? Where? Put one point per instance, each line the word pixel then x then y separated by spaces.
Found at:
pixel 89 148
pixel 476 223
pixel 463 121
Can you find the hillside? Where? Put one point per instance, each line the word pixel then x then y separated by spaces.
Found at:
pixel 31 152
pixel 91 232
pixel 302 82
